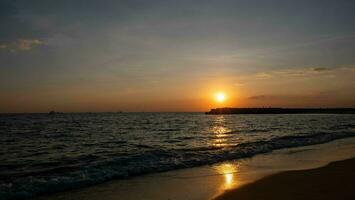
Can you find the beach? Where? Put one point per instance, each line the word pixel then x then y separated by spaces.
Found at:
pixel 161 155
pixel 177 100
pixel 334 181
pixel 228 179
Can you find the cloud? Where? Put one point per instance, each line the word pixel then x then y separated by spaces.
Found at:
pixel 259 97
pixel 277 98
pixel 22 45
pixel 321 69
pixel 303 72
pixel 263 75
pixel 239 84
pixel 25 44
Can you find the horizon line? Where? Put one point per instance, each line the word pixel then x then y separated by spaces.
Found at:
pixel 264 107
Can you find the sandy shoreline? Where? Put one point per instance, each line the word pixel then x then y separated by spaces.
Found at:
pixel 334 181
pixel 212 181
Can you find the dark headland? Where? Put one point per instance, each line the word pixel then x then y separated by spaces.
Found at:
pixel 223 111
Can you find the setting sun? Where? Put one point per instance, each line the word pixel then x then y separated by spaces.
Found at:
pixel 220 97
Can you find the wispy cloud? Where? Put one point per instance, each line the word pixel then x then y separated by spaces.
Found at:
pixel 303 72
pixel 22 45
pixel 317 96
pixel 322 69
pixel 25 44
pixel 258 97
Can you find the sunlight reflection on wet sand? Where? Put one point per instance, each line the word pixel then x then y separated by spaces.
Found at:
pixel 229 171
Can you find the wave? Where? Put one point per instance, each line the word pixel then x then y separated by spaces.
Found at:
pixel 151 161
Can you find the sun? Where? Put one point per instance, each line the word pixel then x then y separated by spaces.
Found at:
pixel 220 97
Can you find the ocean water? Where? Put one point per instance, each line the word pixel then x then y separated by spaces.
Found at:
pixel 41 153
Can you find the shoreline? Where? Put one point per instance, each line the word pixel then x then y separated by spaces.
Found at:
pixel 333 181
pixel 211 181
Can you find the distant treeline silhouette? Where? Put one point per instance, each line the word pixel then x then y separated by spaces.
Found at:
pixel 220 111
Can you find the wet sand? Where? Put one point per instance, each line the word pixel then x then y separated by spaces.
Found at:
pixel 334 181
pixel 211 181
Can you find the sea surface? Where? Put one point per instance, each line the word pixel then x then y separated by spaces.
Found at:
pixel 42 153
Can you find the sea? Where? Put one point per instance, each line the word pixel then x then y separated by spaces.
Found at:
pixel 46 153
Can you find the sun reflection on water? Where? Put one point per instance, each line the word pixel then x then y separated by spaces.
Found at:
pixel 221 139
pixel 220 132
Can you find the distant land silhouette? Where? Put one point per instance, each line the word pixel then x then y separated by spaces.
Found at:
pixel 222 111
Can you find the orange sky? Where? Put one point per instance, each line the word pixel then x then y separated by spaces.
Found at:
pixel 290 88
